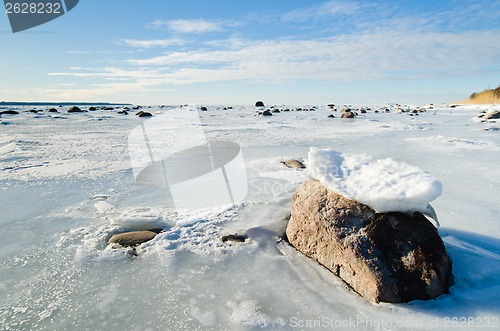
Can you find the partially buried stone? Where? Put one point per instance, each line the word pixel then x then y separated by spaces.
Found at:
pixel 385 257
pixel 234 237
pixel 348 114
pixel 144 114
pixel 75 109
pixel 133 238
pixel 293 164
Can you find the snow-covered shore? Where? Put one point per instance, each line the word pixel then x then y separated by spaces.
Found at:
pixel 67 185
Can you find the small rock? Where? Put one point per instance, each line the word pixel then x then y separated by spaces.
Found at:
pixel 75 109
pixel 491 116
pixel 234 238
pixel 133 238
pixel 348 114
pixel 9 112
pixel 293 164
pixel 267 113
pixel 122 112
pixel 204 109
pixel 92 108
pixel 331 116
pixel 144 114
pixel 53 110
pixel 259 104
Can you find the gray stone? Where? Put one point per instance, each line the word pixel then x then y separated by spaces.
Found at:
pixel 293 164
pixel 144 114
pixel 133 238
pixel 234 238
pixel 75 109
pixel 9 112
pixel 389 257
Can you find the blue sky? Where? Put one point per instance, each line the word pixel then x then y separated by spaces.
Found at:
pixel 237 52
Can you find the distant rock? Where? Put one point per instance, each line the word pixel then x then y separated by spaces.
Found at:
pixel 267 113
pixel 133 238
pixel 92 108
pixel 259 104
pixel 144 114
pixel 53 110
pixel 35 111
pixel 9 112
pixel 348 114
pixel 204 109
pixel 75 109
pixel 385 257
pixel 122 112
pixel 276 110
pixel 490 116
pixel 293 164
pixel 331 116
pixel 109 108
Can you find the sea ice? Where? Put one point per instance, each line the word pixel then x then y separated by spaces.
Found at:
pixel 385 185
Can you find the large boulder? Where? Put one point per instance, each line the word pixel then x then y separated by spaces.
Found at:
pixel 9 112
pixel 385 257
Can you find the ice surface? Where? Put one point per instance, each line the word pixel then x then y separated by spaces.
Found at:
pixel 384 184
pixel 67 185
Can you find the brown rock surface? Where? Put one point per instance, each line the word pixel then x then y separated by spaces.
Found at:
pixel 389 257
pixel 133 238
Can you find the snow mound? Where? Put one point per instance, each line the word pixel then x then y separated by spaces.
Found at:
pixel 384 185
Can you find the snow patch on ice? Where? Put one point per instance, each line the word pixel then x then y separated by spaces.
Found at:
pixel 466 143
pixel 385 184
pixel 248 313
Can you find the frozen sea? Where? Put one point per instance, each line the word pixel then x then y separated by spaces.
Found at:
pixel 67 185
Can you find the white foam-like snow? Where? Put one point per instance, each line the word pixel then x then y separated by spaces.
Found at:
pixel 139 219
pixel 384 185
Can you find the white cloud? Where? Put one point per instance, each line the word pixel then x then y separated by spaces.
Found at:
pixel 188 26
pixel 330 8
pixel 151 43
pixel 362 56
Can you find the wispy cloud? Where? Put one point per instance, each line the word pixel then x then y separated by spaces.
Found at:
pixel 151 43
pixel 330 8
pixel 188 26
pixel 350 57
